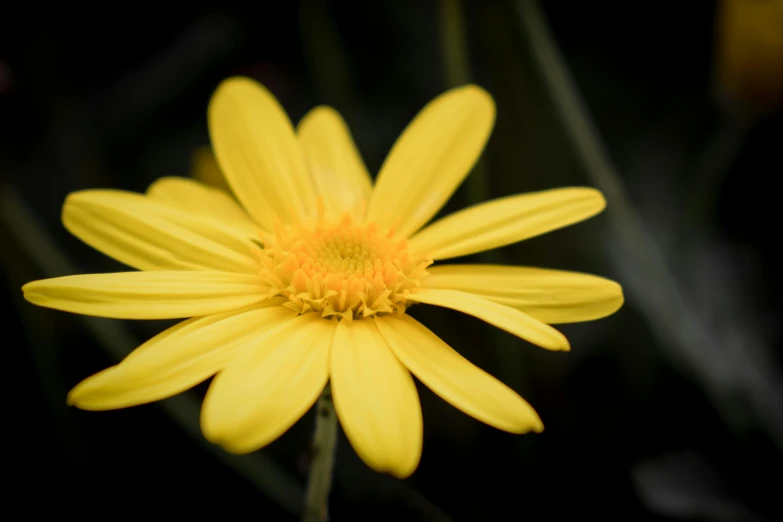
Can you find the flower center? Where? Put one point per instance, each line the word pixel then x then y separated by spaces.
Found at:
pixel 340 268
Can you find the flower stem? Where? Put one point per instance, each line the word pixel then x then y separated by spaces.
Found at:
pixel 323 447
pixel 457 72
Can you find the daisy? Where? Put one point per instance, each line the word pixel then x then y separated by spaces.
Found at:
pixel 309 279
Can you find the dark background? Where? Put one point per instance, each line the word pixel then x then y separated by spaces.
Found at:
pixel 670 409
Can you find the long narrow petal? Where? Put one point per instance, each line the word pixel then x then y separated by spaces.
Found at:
pixel 376 399
pixel 336 166
pixel 263 393
pixel 147 295
pixel 150 235
pixel 551 296
pixel 205 201
pixel 178 358
pixel 259 154
pixel 431 159
pixel 507 220
pixel 504 317
pixel 455 379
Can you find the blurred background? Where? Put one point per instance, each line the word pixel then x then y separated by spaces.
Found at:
pixel 671 409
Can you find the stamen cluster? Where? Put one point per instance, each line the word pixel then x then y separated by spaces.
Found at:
pixel 340 268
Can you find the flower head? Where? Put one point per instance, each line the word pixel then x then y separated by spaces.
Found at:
pixel 309 279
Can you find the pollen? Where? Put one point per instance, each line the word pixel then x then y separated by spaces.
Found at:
pixel 340 268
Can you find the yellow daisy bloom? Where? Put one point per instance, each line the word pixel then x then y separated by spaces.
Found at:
pixel 309 281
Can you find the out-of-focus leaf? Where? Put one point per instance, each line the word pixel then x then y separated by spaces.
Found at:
pixel 685 486
pixel 749 53
pixel 671 313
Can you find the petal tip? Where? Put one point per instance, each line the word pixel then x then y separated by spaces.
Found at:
pixel 559 345
pixel 78 398
pixel 530 424
pixel 399 470
pixel 319 117
pixel 79 196
pixel 481 98
pixel 71 200
pixel 556 343
pixel 403 473
pixel 75 196
pixel 236 82
pixel 218 431
pixel 209 429
pixel 600 199
pixel 81 401
pixel 596 198
pixel 89 394
pixel 526 420
pixel 620 299
pixel 478 92
pixel 234 448
pixel 235 86
pixel 562 344
pixel 164 182
pixel 31 292
pixel 317 112
pixel 215 437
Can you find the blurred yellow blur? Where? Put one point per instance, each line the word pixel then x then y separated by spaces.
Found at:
pixel 750 52
pixel 204 168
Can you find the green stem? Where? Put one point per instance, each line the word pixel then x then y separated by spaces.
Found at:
pixel 457 72
pixel 324 443
pixel 669 312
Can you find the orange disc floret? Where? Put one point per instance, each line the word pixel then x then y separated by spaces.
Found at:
pixel 340 268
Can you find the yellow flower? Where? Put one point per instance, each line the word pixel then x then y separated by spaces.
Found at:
pixel 310 280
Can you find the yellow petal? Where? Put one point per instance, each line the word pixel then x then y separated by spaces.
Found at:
pixel 259 154
pixel 508 319
pixel 204 168
pixel 150 235
pixel 263 393
pixel 336 166
pixel 204 201
pixel 178 358
pixel 455 379
pixel 507 220
pixel 147 295
pixel 431 158
pixel 376 399
pixel 551 296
